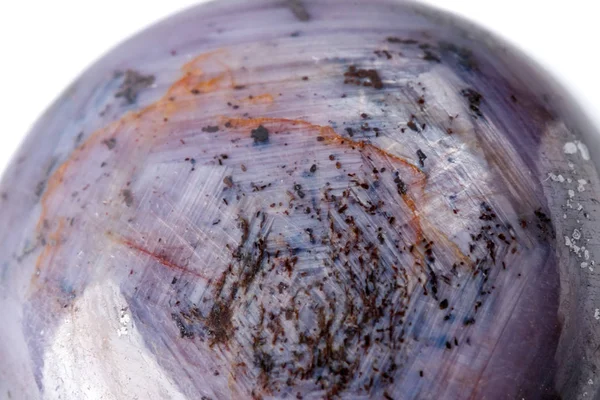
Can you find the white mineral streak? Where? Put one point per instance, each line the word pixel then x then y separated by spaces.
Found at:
pixel 585 154
pixel 116 366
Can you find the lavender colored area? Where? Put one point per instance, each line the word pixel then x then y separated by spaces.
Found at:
pixel 303 199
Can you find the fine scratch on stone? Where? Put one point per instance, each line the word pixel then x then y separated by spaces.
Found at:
pixel 298 9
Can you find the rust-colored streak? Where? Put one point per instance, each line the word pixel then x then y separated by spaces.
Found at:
pixel 52 243
pixel 184 94
pixel 329 135
pixel 208 85
pixel 193 76
pixel 265 98
pixel 194 79
pixel 161 258
pixel 253 122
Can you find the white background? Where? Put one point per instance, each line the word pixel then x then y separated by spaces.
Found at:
pixel 45 44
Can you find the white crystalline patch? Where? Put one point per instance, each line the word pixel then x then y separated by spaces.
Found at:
pixel 556 178
pixel 87 360
pixel 581 185
pixel 597 314
pixel 576 234
pixel 571 193
pixel 573 245
pixel 570 148
pixel 124 320
pixel 573 147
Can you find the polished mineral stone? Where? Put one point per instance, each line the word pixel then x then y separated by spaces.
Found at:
pixel 303 199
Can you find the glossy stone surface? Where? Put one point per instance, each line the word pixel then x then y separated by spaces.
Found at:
pixel 303 199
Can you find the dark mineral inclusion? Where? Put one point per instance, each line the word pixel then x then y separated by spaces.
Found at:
pixel 303 199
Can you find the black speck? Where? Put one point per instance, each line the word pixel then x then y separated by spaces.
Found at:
pixel 260 134
pixel 127 197
pixel 110 143
pixel 133 84
pixel 183 330
pixel 474 99
pixel 392 39
pixel 429 56
pixel 210 129
pixel 462 55
pixel 422 157
pixel 264 361
pixel 40 187
pixel 78 138
pixel 299 10
pixel 400 185
pixel 443 304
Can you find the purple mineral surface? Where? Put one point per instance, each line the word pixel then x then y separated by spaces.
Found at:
pixel 303 199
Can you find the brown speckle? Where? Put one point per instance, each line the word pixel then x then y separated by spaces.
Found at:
pixel 366 77
pixel 228 181
pixel 219 322
pixel 127 197
pixel 443 304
